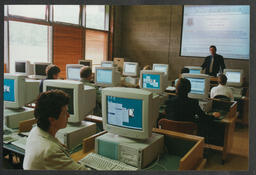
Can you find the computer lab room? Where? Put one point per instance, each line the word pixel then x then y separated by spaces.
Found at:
pixel 126 88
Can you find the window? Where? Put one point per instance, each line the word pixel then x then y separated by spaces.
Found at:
pixel 96 46
pixel 31 11
pixel 5 43
pixel 66 13
pixel 5 10
pixel 95 17
pixel 28 42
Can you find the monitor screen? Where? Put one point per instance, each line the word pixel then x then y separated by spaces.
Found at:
pixel 233 77
pixel 106 65
pixel 104 76
pixel 130 68
pixel 151 81
pixel 9 90
pixel 124 112
pixel 40 69
pixel 70 93
pixel 85 63
pixel 197 85
pixel 160 68
pixel 20 67
pixel 73 73
pixel 194 71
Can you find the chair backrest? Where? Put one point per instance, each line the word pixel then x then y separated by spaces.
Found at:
pixel 222 97
pixel 178 126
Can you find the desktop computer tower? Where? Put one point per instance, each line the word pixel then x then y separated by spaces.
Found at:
pixel 12 117
pixel 134 152
pixel 72 135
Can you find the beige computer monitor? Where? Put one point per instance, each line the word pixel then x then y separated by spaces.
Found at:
pixel 136 108
pixel 82 98
pixel 107 77
pixel 200 85
pixel 234 76
pixel 131 69
pixel 153 81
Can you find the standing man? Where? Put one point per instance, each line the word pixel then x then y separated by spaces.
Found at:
pixel 214 63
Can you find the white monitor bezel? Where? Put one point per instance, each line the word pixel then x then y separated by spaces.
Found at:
pixel 241 77
pixel 41 63
pixel 28 68
pixel 206 88
pixel 166 73
pixel 72 66
pixel 145 96
pixel 107 62
pixel 131 74
pixel 104 84
pixel 195 67
pixel 162 83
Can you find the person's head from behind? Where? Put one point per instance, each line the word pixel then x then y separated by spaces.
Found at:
pixel 184 70
pixel 147 67
pixel 86 73
pixel 51 110
pixel 183 87
pixel 222 79
pixel 213 49
pixel 52 71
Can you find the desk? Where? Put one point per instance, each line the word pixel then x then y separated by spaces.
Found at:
pixel 185 152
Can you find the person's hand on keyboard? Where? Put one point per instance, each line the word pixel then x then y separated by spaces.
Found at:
pixel 216 114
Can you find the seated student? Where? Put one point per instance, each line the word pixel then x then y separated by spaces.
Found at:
pixel 147 67
pixel 183 71
pixel 222 89
pixel 86 78
pixel 183 108
pixel 52 72
pixel 43 150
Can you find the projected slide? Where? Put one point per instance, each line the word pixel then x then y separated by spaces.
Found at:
pixel 226 27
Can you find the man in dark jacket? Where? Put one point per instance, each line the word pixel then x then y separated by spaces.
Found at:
pixel 213 63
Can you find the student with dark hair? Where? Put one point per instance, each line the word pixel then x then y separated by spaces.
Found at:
pixel 214 63
pixel 183 71
pixel 86 77
pixel 183 108
pixel 43 150
pixel 52 72
pixel 222 89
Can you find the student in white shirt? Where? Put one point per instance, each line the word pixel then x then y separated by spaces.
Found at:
pixel 222 89
pixel 43 150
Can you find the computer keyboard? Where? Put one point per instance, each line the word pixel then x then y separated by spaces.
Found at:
pixel 21 142
pixel 98 162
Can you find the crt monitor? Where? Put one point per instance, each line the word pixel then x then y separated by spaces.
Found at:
pixel 200 85
pixel 82 98
pixel 86 62
pixel 234 77
pixel 107 76
pixel 107 64
pixel 73 71
pixel 18 91
pixel 161 68
pixel 194 69
pixel 23 67
pixel 127 112
pixel 130 69
pixel 153 81
pixel 39 69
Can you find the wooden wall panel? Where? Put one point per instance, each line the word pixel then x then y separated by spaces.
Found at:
pixel 68 47
pixel 5 68
pixel 96 45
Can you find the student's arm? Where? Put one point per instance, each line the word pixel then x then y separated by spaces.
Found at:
pixel 56 159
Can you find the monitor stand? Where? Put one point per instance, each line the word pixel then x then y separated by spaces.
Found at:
pixel 74 133
pixel 12 117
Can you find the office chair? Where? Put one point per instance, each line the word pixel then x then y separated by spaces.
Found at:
pixel 178 126
pixel 222 97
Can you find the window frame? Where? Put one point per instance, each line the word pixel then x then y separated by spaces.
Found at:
pixel 48 21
